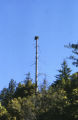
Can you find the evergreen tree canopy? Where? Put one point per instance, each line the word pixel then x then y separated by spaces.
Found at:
pixel 74 57
pixel 64 75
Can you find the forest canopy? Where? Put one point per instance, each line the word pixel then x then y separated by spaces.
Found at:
pixel 57 102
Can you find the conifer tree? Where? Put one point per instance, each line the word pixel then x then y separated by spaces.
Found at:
pixel 64 74
pixel 74 57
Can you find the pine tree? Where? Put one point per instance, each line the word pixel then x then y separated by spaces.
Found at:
pixel 64 74
pixel 74 57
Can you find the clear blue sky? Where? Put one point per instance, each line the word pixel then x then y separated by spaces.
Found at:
pixel 56 24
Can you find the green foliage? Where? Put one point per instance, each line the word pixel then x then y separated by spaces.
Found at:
pixel 64 72
pixel 74 57
pixel 22 109
pixel 63 78
pixel 8 93
pixel 25 89
pixel 12 87
pixel 3 113
pixel 55 104
pixel 58 102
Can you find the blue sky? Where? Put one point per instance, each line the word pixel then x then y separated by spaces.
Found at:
pixel 56 24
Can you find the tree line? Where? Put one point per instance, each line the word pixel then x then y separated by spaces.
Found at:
pixel 58 102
